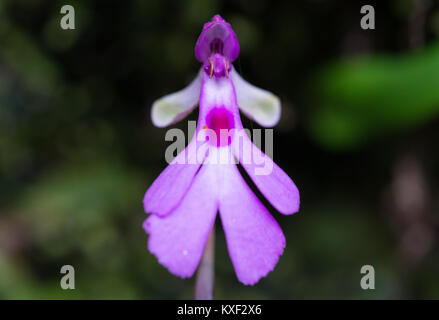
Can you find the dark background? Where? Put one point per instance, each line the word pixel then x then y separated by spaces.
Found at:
pixel 358 135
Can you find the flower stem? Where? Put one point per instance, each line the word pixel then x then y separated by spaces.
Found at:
pixel 206 272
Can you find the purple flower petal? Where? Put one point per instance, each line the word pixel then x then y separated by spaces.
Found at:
pixel 218 93
pixel 217 36
pixel 254 239
pixel 167 190
pixel 272 181
pixel 178 240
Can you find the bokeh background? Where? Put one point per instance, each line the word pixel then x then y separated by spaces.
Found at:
pixel 359 135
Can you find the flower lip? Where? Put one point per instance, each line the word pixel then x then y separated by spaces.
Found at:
pixel 217 36
pixel 221 122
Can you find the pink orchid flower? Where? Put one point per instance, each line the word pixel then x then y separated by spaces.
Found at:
pixel 185 198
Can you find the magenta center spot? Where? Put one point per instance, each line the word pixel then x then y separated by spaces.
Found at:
pixel 220 120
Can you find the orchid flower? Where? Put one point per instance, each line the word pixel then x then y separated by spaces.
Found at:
pixel 184 200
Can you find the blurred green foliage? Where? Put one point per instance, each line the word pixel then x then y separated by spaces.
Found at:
pixel 368 97
pixel 78 150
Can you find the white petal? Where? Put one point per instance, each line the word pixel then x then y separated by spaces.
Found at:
pixel 257 104
pixel 175 106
